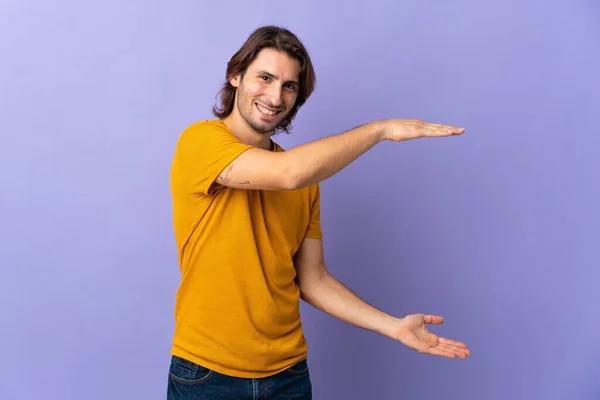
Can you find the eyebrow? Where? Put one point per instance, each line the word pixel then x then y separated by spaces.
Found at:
pixel 274 77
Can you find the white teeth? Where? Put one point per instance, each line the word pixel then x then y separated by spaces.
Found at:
pixel 265 111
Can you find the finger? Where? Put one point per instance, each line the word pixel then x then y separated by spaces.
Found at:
pixel 459 351
pixel 434 129
pixel 454 129
pixel 436 351
pixel 446 130
pixel 452 342
pixel 454 348
pixel 433 319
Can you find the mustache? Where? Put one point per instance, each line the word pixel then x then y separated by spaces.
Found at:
pixel 271 106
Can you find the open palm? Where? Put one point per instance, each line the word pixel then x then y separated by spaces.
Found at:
pixel 412 332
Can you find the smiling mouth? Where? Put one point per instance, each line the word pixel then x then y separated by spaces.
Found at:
pixel 267 111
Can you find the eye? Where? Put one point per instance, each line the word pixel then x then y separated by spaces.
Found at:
pixel 290 86
pixel 264 78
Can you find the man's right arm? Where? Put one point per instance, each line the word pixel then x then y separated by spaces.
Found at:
pixel 318 160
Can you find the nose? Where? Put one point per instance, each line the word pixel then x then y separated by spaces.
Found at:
pixel 274 94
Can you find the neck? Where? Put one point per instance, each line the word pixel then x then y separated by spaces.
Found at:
pixel 244 132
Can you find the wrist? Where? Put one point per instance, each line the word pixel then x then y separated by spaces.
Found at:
pixel 391 327
pixel 379 129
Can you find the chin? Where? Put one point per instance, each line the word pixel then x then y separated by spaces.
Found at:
pixel 260 127
pixel 264 127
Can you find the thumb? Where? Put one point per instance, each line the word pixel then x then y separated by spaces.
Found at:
pixel 433 319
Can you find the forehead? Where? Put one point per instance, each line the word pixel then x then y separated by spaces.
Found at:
pixel 277 63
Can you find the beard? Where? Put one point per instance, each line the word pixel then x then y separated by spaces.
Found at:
pixel 249 113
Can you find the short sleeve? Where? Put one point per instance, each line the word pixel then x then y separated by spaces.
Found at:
pixel 314 225
pixel 203 150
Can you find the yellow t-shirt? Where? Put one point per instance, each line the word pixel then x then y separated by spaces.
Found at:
pixel 237 307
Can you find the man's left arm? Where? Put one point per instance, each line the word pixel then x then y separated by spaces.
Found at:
pixel 323 291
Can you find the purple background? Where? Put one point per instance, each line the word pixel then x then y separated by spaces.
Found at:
pixel 497 230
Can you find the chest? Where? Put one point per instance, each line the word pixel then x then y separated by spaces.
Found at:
pixel 284 214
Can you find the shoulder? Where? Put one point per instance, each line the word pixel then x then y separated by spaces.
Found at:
pixel 208 134
pixel 207 127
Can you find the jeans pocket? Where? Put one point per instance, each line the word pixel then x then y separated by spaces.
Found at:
pixel 188 373
pixel 300 368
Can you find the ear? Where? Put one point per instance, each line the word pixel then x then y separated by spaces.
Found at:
pixel 235 80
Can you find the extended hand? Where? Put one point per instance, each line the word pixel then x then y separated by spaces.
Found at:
pixel 398 130
pixel 412 332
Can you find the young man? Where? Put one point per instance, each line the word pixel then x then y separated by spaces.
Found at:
pixel 247 226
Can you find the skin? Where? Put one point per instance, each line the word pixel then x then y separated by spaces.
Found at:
pixel 271 81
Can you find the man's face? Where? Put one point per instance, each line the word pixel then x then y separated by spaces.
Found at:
pixel 268 90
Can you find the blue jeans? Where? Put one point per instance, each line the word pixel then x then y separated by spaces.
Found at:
pixel 190 381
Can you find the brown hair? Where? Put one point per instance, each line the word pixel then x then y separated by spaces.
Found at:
pixel 280 39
